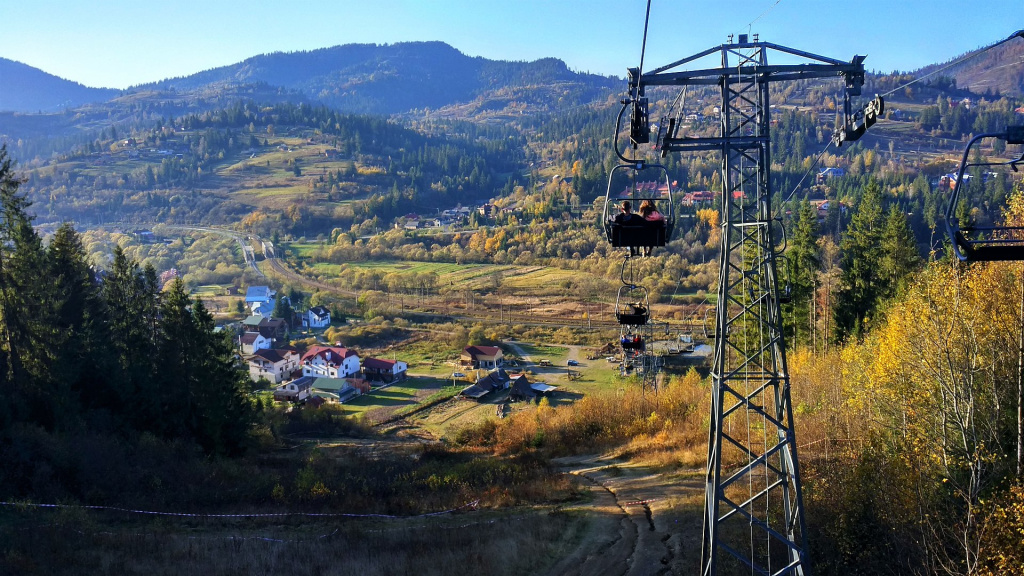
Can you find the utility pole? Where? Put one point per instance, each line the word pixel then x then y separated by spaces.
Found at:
pixel 754 520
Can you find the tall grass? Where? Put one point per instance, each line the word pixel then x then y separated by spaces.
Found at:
pixel 670 422
pixel 470 543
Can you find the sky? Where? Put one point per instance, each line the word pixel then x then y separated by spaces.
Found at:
pixel 120 43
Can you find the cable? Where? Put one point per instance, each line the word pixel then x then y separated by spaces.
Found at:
pixel 961 60
pixel 778 208
pixel 643 47
pixel 770 8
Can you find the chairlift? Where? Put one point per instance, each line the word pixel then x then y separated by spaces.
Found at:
pixel 632 306
pixel 984 243
pixel 709 312
pixel 646 182
pixel 786 290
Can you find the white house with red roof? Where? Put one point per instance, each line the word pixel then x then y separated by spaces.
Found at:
pixel 330 362
pixel 486 357
pixel 384 370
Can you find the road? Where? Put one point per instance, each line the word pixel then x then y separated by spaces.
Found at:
pixel 638 526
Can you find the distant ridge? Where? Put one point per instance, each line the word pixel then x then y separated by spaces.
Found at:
pixel 998 71
pixel 27 89
pixel 396 78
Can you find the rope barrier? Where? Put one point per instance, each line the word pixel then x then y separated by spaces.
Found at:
pixel 469 505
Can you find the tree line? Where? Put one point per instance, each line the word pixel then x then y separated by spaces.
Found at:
pixel 108 350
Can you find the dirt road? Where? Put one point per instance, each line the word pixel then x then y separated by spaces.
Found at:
pixel 641 523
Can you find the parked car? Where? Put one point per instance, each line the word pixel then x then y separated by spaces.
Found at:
pixel 573 363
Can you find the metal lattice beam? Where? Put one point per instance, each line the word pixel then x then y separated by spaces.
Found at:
pixel 754 519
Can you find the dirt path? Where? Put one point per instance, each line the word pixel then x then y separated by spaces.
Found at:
pixel 642 523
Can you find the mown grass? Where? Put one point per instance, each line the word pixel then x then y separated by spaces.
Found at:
pixel 411 392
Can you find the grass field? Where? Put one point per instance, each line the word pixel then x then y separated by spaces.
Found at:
pixel 536 279
pixel 408 393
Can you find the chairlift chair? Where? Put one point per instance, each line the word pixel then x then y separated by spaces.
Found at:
pixel 646 182
pixel 632 306
pixel 984 243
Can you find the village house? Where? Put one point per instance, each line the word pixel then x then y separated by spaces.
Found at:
pixel 252 342
pixel 274 329
pixel 828 174
pixel 496 380
pixel 276 365
pixel 386 371
pixel 330 362
pixel 316 317
pixel 260 300
pixel 297 390
pixel 339 389
pixel 523 389
pixel 485 357
pixel 252 323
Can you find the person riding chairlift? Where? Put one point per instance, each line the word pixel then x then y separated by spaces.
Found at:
pixel 626 217
pixel 649 212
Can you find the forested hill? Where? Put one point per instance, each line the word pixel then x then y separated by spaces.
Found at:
pixel 27 89
pixel 999 71
pixel 397 78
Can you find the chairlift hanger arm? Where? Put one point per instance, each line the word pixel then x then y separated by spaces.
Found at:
pixel 734 74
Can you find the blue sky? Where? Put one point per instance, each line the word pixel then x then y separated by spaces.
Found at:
pixel 118 43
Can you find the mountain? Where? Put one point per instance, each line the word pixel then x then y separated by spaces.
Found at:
pixel 27 89
pixel 398 78
pixel 996 71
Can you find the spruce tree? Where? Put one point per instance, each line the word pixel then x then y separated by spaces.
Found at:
pixel 804 264
pixel 26 329
pixel 899 253
pixel 130 295
pixel 82 371
pixel 861 254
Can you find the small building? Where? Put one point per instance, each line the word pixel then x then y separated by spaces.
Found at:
pixel 252 323
pixel 252 342
pixel 523 389
pixel 316 317
pixel 260 298
pixel 273 328
pixel 330 362
pixel 297 390
pixel 339 389
pixel 496 380
pixel 828 174
pixel 485 357
pixel 387 371
pixel 276 365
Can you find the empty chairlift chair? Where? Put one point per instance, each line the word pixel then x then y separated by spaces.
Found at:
pixel 977 243
pixel 635 183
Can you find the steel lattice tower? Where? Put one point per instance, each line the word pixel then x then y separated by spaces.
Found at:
pixel 753 505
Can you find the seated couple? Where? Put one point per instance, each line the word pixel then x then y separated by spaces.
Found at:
pixel 648 215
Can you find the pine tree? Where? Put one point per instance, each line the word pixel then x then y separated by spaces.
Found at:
pixel 202 388
pixel 899 254
pixel 861 254
pixel 25 327
pixel 227 412
pixel 80 332
pixel 804 264
pixel 131 300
